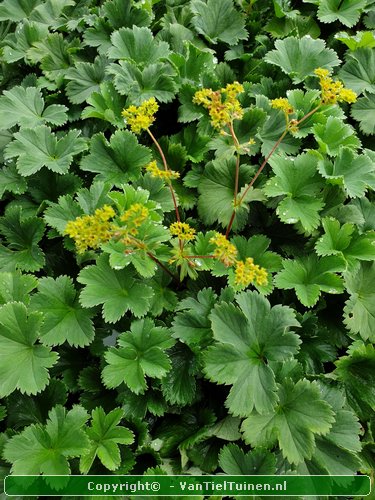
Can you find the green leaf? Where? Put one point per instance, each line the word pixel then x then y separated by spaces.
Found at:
pixel 16 45
pixel 22 235
pixel 345 11
pixel 140 354
pixel 218 20
pixel 297 180
pixel 106 104
pixel 247 338
pixel 137 45
pixel 45 449
pixel 192 63
pixel 298 417
pixel 51 12
pixel 57 215
pixel 191 324
pixel 12 181
pixel 179 385
pixel 24 362
pixel 364 112
pixel 334 460
pixel 309 276
pixel 118 161
pixel 64 318
pixel 54 55
pixel 234 461
pixel 359 310
pixel 123 13
pixel 357 372
pixel 17 10
pixel 84 79
pixel 216 189
pixel 39 147
pixel 360 39
pixel 118 291
pixel 299 57
pixel 105 435
pixel 354 173
pixel 335 134
pixel 345 241
pixel 272 130
pixel 155 80
pixel 358 73
pixel 25 107
pixel 16 287
pixel 257 248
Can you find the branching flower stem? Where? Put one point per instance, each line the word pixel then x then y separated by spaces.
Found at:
pixel 237 174
pixel 264 163
pixel 161 152
pixel 162 266
pixel 166 168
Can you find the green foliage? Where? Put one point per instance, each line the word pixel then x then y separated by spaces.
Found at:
pixel 39 147
pixel 22 235
pixel 298 181
pixel 334 135
pixel 105 435
pixel 300 415
pixel 140 353
pixel 25 107
pixel 345 11
pixel 234 461
pixel 359 311
pixel 299 57
pixel 64 318
pixel 162 346
pixel 358 73
pixel 118 161
pixel 310 276
pixel 364 111
pixel 218 21
pixel 24 361
pixel 118 291
pixel 45 449
pixel 244 347
pixel 354 173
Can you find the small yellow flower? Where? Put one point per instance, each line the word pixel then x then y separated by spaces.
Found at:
pixel 141 117
pixel 166 175
pixel 90 231
pixel 247 272
pixel 321 72
pixel 347 95
pixel 283 104
pixel 182 230
pixel 225 251
pixel 222 105
pixel 333 91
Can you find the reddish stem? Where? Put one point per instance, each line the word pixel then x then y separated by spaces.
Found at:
pixel 162 266
pixel 167 169
pixel 276 145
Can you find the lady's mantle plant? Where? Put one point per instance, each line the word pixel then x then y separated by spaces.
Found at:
pixel 187 253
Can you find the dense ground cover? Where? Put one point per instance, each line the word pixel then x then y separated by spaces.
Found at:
pixel 187 241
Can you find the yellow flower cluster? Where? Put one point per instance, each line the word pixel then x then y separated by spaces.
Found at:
pixel 222 105
pixel 133 218
pixel 182 230
pixel 141 117
pixel 333 91
pixel 248 272
pixel 166 175
pixel 225 251
pixel 283 104
pixel 90 231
